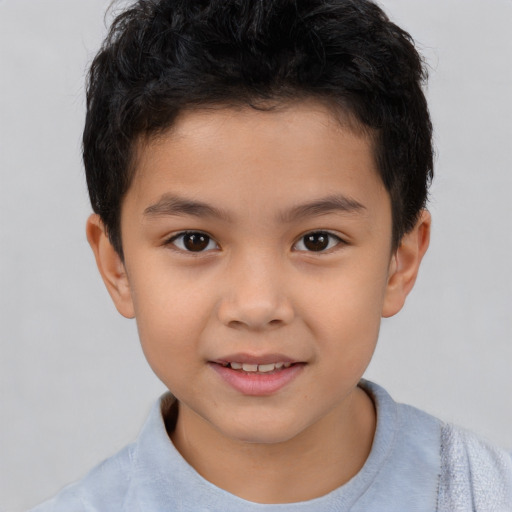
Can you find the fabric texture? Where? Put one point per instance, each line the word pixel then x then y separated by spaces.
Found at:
pixel 470 474
pixel 416 464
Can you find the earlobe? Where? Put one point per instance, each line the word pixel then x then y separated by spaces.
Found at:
pixel 110 266
pixel 405 264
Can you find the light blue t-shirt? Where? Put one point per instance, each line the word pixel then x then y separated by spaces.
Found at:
pixel 416 464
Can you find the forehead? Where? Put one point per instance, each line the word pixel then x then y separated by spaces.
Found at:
pixel 262 158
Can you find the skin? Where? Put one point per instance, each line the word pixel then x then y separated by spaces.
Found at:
pixel 257 289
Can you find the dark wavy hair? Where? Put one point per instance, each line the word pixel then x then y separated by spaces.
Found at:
pixel 163 56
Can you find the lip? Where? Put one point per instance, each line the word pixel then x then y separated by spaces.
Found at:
pixel 254 383
pixel 254 359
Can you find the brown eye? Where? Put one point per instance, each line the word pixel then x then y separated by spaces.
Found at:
pixel 196 241
pixel 193 241
pixel 317 241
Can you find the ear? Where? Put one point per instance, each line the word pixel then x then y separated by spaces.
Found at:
pixel 110 265
pixel 404 265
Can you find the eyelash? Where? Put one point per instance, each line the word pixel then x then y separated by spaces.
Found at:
pixel 331 237
pixel 332 241
pixel 183 234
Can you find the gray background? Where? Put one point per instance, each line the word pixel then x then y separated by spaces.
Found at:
pixel 75 387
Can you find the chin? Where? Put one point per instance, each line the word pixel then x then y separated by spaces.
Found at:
pixel 263 431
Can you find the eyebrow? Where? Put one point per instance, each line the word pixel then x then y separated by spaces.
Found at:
pixel 174 205
pixel 177 206
pixel 323 206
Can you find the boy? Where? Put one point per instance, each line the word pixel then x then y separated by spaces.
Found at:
pixel 259 173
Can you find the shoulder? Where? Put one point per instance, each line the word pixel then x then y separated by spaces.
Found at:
pixel 103 488
pixel 131 477
pixel 474 474
pixel 461 471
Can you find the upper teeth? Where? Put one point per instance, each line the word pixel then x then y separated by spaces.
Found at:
pixel 246 367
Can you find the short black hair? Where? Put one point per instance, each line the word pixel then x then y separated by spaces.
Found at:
pixel 164 56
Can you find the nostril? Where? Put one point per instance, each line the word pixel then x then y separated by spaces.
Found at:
pixel 248 312
pixel 235 323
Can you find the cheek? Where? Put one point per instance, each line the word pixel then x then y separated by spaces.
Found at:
pixel 171 316
pixel 344 310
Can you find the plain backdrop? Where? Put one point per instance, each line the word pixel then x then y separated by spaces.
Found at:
pixel 75 387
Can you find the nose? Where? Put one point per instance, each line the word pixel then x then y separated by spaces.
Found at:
pixel 254 294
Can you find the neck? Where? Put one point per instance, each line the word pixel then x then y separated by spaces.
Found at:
pixel 318 460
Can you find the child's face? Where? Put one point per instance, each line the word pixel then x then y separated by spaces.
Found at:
pixel 258 238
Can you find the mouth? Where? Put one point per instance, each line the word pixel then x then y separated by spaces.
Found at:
pixel 256 368
pixel 257 376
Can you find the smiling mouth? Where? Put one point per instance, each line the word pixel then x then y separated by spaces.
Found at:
pixel 256 368
pixel 262 375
